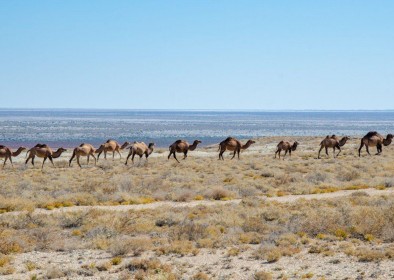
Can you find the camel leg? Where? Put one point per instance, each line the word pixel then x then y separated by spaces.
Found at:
pixel 366 147
pixel 95 160
pixel 127 159
pixel 113 155
pixel 132 158
pixel 185 155
pixel 379 149
pixel 285 154
pixel 32 160
pixel 42 166
pixel 105 154
pixel 71 159
pixel 176 158
pixel 333 151
pixel 88 158
pixel 280 151
pixel 321 148
pixel 276 153
pixel 98 156
pixel 339 148
pixel 78 162
pixel 235 152
pixel 238 151
pixel 221 155
pixel 10 158
pixel 50 158
pixel 359 150
pixel 5 160
pixel 119 153
pixel 290 153
pixel 327 151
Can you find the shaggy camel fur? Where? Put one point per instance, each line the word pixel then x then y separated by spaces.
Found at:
pixel 181 146
pixel 43 151
pixel 140 148
pixel 372 139
pixel 287 147
pixel 332 142
pixel 111 146
pixel 233 144
pixel 7 154
pixel 84 150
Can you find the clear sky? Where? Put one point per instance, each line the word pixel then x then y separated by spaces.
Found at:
pixel 201 54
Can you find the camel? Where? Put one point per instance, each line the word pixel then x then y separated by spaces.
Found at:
pixel 233 144
pixel 140 148
pixel 372 139
pixel 43 151
pixel 181 146
pixel 287 147
pixel 84 150
pixel 332 142
pixel 111 146
pixel 7 154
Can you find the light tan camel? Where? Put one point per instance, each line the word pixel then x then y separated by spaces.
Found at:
pixel 233 144
pixel 111 146
pixel 43 151
pixel 181 146
pixel 287 147
pixel 7 154
pixel 372 139
pixel 140 148
pixel 84 150
pixel 332 142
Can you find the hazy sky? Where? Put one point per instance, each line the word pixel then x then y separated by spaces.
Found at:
pixel 201 54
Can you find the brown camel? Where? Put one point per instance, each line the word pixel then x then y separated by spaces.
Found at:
pixel 43 151
pixel 111 146
pixel 233 144
pixel 287 147
pixel 372 139
pixel 84 150
pixel 333 142
pixel 140 148
pixel 7 154
pixel 181 146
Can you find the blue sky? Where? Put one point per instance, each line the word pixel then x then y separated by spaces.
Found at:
pixel 222 54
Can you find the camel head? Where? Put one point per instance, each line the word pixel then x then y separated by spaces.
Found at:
pixel 294 147
pixel 250 142
pixel 388 140
pixel 61 150
pixel 196 142
pixel 151 145
pixel 125 145
pixel 100 149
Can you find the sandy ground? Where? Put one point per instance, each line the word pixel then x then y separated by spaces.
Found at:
pixel 172 204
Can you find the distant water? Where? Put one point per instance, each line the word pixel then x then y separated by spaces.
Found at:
pixel 69 128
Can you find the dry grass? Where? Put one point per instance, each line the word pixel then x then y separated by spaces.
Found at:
pixel 363 224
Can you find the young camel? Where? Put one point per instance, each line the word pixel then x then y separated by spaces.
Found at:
pixel 233 144
pixel 140 148
pixel 7 154
pixel 181 146
pixel 332 142
pixel 287 147
pixel 372 139
pixel 111 146
pixel 43 151
pixel 84 150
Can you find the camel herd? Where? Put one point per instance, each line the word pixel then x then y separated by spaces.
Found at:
pixel 371 139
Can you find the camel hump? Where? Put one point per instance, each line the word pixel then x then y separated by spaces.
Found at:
pixel 333 136
pixel 41 146
pixel 178 141
pixel 82 144
pixel 372 133
pixel 280 143
pixel 109 140
pixel 229 139
pixel 2 147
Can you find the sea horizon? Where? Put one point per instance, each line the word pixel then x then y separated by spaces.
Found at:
pixel 71 127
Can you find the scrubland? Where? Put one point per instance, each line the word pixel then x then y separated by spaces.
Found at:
pixel 347 237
